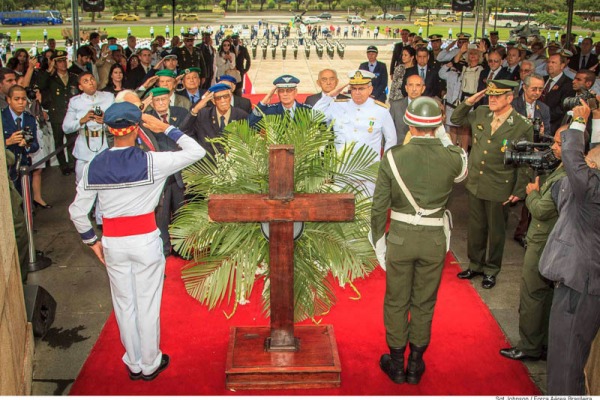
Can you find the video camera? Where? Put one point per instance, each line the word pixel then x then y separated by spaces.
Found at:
pixel 538 156
pixel 27 135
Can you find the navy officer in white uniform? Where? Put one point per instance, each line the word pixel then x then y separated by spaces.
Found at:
pixel 128 183
pixel 360 119
pixel 286 87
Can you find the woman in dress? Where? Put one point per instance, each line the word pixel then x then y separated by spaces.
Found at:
pixel 408 60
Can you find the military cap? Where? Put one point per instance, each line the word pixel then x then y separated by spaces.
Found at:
pixel 565 53
pixel 227 78
pixel 189 70
pixel 423 112
pixel 235 36
pixel 206 33
pixel 492 33
pixel 219 87
pixel 463 36
pixel 59 55
pixel 286 81
pixel 553 43
pixel 500 86
pixel 521 47
pixel 121 117
pixel 159 91
pixel 166 72
pixel 511 43
pixel 111 38
pixel 435 37
pixel 188 36
pixel 170 56
pixel 372 49
pixel 360 77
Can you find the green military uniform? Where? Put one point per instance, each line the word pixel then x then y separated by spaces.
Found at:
pixel 55 98
pixel 490 182
pixel 536 291
pixel 21 236
pixel 187 59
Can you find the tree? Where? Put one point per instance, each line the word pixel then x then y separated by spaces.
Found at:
pixel 384 5
pixel 357 6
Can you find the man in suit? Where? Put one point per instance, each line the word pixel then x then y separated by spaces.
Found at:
pixel 492 187
pixel 585 59
pixel 397 53
pixel 327 81
pixel 528 104
pixel 191 85
pixel 208 53
pixel 173 192
pixel 207 122
pixel 570 259
pixel 557 87
pixel 286 88
pixel 84 56
pixel 20 131
pixel 57 86
pixel 511 71
pixel 414 88
pixel 130 49
pixel 236 101
pixel 137 75
pixel 428 73
pixel 379 70
pixel 242 61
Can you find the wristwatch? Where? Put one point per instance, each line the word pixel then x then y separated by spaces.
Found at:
pixel 580 120
pixel 92 243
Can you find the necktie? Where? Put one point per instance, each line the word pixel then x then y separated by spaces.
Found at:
pixel 18 123
pixel 491 75
pixel 582 62
pixel 164 118
pixel 288 114
pixel 222 119
pixel 422 73
pixel 193 99
pixel 547 89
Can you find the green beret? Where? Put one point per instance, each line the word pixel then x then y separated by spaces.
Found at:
pixel 189 70
pixel 159 91
pixel 166 72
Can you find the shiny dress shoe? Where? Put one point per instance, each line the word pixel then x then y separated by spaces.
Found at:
pixel 164 363
pixel 515 354
pixel 40 205
pixel 488 282
pixel 468 274
pixel 134 376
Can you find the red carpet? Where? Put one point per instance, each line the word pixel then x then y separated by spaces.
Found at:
pixel 462 359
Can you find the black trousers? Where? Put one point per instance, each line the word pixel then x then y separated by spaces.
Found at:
pixel 574 323
pixel 172 199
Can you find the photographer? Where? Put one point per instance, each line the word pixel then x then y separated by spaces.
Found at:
pixel 536 291
pixel 571 259
pixel 20 131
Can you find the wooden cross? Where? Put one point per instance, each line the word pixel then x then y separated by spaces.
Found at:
pixel 281 209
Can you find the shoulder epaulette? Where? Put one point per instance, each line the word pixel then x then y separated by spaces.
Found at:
pixel 379 103
pixel 341 100
pixel 524 118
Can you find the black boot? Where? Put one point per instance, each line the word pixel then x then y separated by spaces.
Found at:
pixel 393 364
pixel 416 365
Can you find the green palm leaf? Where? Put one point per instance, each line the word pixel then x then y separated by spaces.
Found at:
pixel 228 258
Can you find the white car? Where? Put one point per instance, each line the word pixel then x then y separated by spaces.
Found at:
pixel 387 16
pixel 355 20
pixel 311 20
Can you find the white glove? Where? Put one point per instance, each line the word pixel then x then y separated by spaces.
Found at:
pixel 380 249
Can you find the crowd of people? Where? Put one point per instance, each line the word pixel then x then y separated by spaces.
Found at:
pixel 438 100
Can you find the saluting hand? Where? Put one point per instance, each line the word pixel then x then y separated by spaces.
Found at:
pixel 476 97
pixel 154 124
pixel 335 92
pixel 203 102
pixel 267 99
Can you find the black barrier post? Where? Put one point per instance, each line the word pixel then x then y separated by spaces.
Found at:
pixel 37 261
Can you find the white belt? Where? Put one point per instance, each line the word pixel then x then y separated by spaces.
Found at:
pixel 417 219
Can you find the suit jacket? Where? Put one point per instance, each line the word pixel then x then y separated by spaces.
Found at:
pixel 541 111
pixel 313 98
pixel 553 99
pixel 432 81
pixel 506 74
pixel 380 82
pixel 242 103
pixel 208 53
pixel 205 126
pixel 571 254
pixel 397 110
pixel 56 95
pixel 9 127
pixel 590 61
pixel 136 76
pixel 184 93
pixel 183 102
pixel 270 109
pixel 242 61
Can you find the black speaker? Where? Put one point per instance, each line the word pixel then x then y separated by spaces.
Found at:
pixel 463 5
pixel 93 5
pixel 41 309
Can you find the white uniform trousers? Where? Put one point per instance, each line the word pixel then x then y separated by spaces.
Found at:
pixel 79 166
pixel 136 268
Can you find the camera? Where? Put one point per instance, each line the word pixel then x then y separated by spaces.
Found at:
pixel 31 93
pixel 523 152
pixel 570 102
pixel 98 111
pixel 27 135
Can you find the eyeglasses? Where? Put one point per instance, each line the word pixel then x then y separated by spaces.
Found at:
pixel 286 90
pixel 494 61
pixel 223 97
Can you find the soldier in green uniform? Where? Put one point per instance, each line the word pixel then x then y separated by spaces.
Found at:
pixel 415 180
pixel 492 186
pixel 57 86
pixel 536 291
pixel 189 56
pixel 16 202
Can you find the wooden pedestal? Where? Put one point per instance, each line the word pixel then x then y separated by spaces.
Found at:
pixel 250 366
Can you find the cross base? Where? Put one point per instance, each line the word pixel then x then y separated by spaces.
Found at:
pixel 270 346
pixel 315 364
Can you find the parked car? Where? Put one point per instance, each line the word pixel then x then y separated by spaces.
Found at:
pixel 399 17
pixel 384 16
pixel 423 22
pixel 355 20
pixel 324 15
pixel 311 20
pixel 189 17
pixel 125 17
pixel 69 19
pixel 449 18
pixel 467 14
pixel 551 27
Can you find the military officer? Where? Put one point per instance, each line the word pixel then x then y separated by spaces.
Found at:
pixel 413 185
pixel 492 186
pixel 129 182
pixel 58 86
pixel 189 56
pixel 536 291
pixel 360 119
pixel 286 88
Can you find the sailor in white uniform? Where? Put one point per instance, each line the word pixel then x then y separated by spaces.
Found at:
pixel 360 120
pixel 128 183
pixel 85 115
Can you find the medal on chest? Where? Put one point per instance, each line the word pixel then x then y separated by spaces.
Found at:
pixel 371 123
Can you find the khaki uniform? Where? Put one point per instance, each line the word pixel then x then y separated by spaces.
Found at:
pixel 536 291
pixel 16 202
pixel 415 253
pixel 490 182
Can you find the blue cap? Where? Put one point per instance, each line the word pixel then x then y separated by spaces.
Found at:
pixel 286 81
pixel 219 87
pixel 122 115
pixel 228 78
